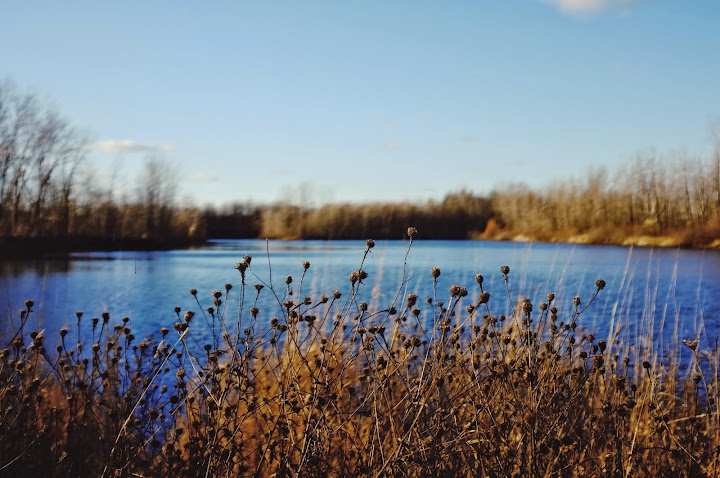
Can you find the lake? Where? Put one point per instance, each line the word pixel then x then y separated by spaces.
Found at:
pixel 650 293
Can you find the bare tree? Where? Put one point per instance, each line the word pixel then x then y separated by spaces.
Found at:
pixel 158 189
pixel 39 153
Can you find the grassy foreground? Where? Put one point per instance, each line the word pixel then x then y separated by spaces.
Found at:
pixel 331 386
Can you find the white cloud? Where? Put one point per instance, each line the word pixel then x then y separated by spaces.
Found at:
pixel 390 145
pixel 128 146
pixel 587 6
pixel 204 178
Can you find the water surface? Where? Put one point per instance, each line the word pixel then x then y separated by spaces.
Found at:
pixel 650 293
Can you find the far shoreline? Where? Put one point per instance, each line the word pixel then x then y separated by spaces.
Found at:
pixel 23 248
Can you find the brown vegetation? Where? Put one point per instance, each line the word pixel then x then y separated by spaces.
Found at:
pixel 333 386
pixel 48 192
pixel 457 216
pixel 676 200
pixel 651 202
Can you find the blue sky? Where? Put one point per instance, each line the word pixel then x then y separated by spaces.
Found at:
pixel 368 101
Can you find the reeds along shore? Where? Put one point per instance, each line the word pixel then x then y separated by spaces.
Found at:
pixel 334 386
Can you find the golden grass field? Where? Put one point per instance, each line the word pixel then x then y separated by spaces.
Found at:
pixel 331 386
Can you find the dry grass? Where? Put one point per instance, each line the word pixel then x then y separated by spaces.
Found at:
pixel 329 386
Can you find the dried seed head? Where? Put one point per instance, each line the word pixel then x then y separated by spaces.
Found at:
pixel 337 295
pixel 505 270
pixel 600 284
pixel 411 300
pixel 259 287
pixel 369 243
pixel 435 272
pixel 288 280
pixel 411 232
pixel 691 344
pixel 551 297
pixel 228 286
pixel 63 332
pixel 306 265
pixel 216 293
pixel 29 303
pixel 193 291
pixel 479 279
pixel 363 306
pixel 484 297
pixel 527 306
pixel 576 301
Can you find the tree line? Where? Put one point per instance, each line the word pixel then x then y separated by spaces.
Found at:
pixel 675 195
pixel 47 190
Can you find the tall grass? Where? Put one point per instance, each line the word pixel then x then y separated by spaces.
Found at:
pixel 333 386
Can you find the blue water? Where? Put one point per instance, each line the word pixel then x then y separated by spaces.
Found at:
pixel 648 291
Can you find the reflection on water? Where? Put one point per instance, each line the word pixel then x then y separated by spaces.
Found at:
pixel 647 291
pixel 35 266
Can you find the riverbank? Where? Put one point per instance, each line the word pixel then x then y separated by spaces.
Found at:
pixel 699 238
